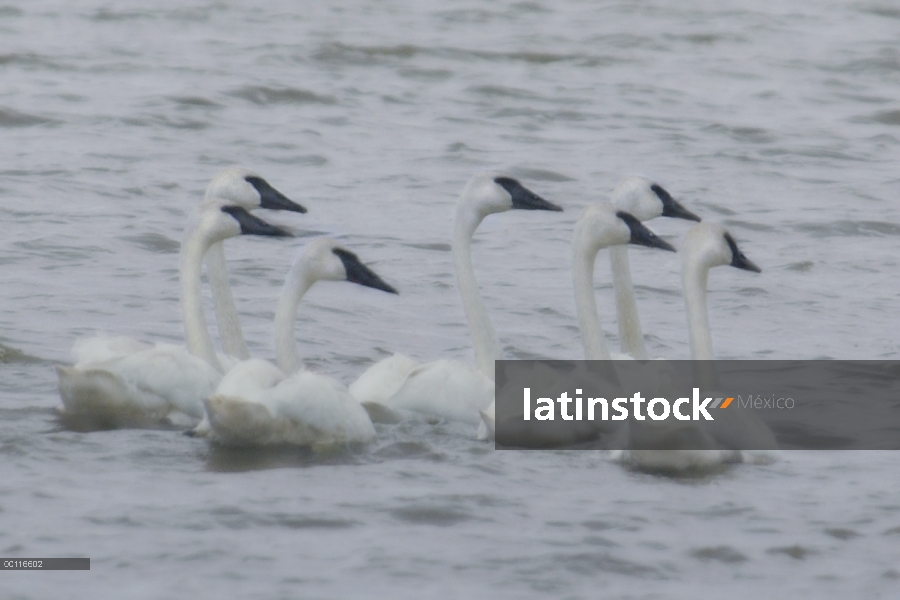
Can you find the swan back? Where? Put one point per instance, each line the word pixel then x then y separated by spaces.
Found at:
pixel 647 200
pixel 245 188
pixel 447 389
pixel 255 404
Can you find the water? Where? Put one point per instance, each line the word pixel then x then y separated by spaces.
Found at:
pixel 779 120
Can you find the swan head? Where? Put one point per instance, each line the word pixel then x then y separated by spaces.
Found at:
pixel 710 245
pixel 491 192
pixel 602 225
pixel 218 221
pixel 326 259
pixel 245 188
pixel 647 200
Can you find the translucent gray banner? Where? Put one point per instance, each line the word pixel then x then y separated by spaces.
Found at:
pixel 45 564
pixel 697 405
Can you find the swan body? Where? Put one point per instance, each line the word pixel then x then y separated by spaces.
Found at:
pixel 258 403
pixel 159 384
pixel 445 389
pixel 705 246
pixel 381 381
pixel 233 185
pixel 118 381
pixel 645 200
pixel 451 389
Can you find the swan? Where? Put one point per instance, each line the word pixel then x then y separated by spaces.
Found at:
pixel 245 188
pixel 706 245
pixel 450 389
pixel 645 200
pixel 126 382
pixel 258 403
pixel 232 185
pixel 600 226
pixel 608 225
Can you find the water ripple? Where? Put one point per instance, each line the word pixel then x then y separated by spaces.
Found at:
pixel 264 95
pixel 14 118
pixel 423 514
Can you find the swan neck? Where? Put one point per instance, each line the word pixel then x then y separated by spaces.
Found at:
pixel 694 280
pixel 484 338
pixel 227 320
pixel 196 333
pixel 630 333
pixel 586 303
pixel 295 286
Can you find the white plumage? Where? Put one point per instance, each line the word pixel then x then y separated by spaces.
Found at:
pixel 118 381
pixel 450 389
pixel 257 403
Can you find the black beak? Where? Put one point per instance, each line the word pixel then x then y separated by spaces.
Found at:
pixel 524 198
pixel 251 225
pixel 360 273
pixel 272 198
pixel 642 236
pixel 671 206
pixel 738 259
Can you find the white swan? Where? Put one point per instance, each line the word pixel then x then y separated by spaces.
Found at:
pixel 600 226
pixel 127 382
pixel 705 246
pixel 450 389
pixel 257 403
pixel 245 188
pixel 232 185
pixel 645 200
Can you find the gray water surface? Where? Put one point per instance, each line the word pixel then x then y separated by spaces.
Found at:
pixel 779 119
